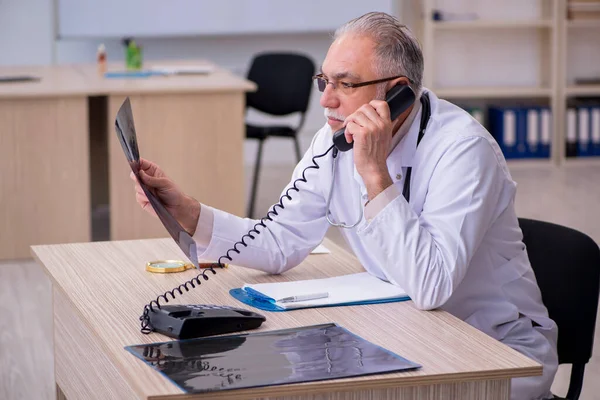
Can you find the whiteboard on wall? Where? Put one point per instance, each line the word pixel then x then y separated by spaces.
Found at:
pixel 161 18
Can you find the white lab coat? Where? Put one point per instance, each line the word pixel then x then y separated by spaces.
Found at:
pixel 455 246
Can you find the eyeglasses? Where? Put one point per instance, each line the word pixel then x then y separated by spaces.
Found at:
pixel 348 87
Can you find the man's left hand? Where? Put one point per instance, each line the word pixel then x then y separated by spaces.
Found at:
pixel 370 128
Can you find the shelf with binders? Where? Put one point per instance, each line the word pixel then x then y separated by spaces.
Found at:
pixel 581 121
pixel 522 127
pixel 510 64
pixel 582 130
pixel 522 131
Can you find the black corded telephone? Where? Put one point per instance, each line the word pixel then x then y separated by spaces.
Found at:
pixel 196 320
pixel 189 321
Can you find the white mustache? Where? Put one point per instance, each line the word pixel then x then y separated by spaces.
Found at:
pixel 329 113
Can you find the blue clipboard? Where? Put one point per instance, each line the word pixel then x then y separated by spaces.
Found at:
pixel 256 299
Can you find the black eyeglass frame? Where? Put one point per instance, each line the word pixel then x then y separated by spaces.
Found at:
pixel 348 85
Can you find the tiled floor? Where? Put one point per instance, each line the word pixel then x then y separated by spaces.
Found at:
pixel 568 196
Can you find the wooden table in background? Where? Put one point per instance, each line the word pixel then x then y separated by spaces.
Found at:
pixel 44 160
pixel 192 126
pixel 100 290
pixel 59 155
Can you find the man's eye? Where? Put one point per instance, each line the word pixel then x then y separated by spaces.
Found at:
pixel 346 84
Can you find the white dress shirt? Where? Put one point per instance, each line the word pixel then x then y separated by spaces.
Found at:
pixel 456 245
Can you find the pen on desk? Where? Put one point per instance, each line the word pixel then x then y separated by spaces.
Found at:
pixel 303 297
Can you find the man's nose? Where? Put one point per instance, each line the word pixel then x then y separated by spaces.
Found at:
pixel 329 98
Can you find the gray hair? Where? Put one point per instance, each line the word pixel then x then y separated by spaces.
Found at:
pixel 397 49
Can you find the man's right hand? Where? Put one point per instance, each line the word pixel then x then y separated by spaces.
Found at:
pixel 185 209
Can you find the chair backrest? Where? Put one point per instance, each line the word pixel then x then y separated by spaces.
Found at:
pixel 566 264
pixel 284 83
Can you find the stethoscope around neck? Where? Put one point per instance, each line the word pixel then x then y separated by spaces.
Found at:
pixel 425 115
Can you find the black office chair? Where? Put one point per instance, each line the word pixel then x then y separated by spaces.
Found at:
pixel 566 264
pixel 284 83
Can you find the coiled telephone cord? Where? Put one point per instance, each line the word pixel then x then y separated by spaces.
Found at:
pixel 146 327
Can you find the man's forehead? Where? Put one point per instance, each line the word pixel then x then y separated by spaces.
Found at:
pixel 349 57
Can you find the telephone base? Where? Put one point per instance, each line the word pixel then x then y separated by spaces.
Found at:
pixel 199 320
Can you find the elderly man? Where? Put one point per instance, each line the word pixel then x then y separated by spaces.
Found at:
pixel 437 197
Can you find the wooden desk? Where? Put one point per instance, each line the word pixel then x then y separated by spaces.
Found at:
pixel 58 144
pixel 44 160
pixel 100 290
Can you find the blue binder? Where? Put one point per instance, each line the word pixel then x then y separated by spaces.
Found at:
pixel 545 131
pixel 522 132
pixel 585 146
pixel 595 129
pixel 503 126
pixel 571 132
pixel 532 132
pixel 523 150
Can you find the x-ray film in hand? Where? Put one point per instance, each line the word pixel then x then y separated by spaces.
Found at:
pixel 125 130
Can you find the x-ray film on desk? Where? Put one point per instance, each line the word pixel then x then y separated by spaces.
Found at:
pixel 304 354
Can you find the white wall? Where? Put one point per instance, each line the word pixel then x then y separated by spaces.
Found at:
pixel 160 18
pixel 26 31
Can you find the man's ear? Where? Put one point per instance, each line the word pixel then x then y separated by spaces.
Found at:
pixel 397 81
pixel 400 81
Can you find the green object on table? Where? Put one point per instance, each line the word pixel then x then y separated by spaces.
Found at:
pixel 133 56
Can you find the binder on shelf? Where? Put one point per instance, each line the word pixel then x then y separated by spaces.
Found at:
pixel 571 150
pixel 522 132
pixel 533 132
pixel 584 147
pixel 545 132
pixel 503 126
pixel 522 148
pixel 595 129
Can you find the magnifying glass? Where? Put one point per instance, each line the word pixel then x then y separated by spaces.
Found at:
pixel 170 266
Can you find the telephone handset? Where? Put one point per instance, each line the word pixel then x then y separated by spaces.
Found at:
pixel 399 99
